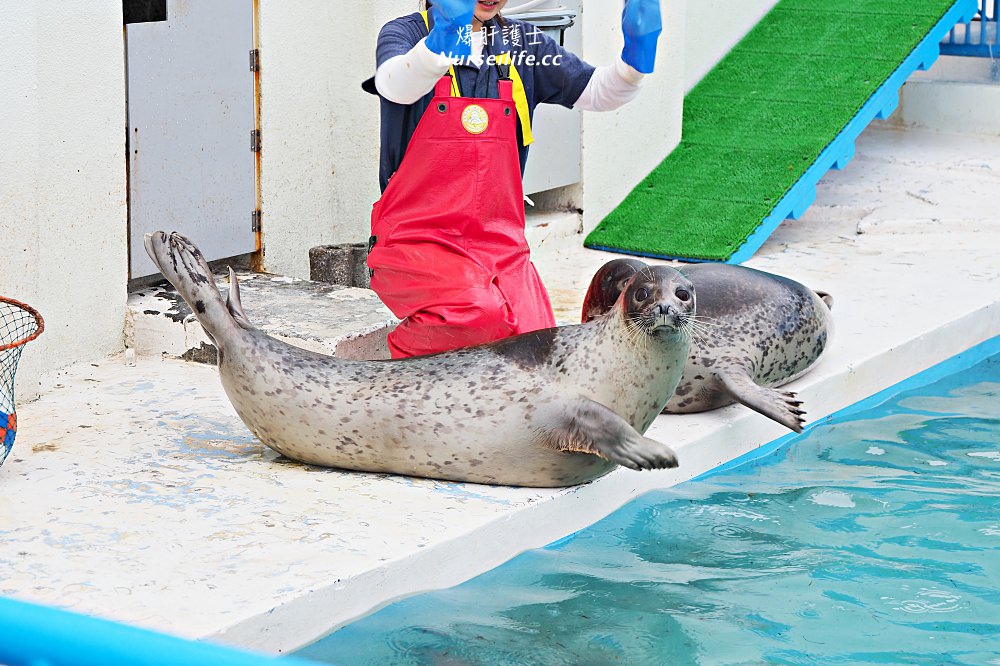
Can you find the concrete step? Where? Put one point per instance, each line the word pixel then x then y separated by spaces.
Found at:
pixel 322 315
pixel 348 322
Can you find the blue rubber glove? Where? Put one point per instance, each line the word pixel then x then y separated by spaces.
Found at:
pixel 641 25
pixel 451 35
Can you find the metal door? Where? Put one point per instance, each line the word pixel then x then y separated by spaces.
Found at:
pixel 190 128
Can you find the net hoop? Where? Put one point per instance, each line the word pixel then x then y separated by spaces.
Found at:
pixel 39 324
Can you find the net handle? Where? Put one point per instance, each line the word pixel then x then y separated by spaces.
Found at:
pixel 39 322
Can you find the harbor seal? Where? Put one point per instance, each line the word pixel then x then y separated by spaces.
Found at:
pixel 555 407
pixel 758 331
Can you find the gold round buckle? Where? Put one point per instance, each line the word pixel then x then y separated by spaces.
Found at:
pixel 475 120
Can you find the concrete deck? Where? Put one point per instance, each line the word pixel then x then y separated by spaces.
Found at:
pixel 135 493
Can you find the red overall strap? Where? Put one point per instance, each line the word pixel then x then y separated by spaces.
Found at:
pixel 506 89
pixel 450 258
pixel 443 87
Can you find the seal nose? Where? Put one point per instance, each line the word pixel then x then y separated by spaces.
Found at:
pixel 665 315
pixel 665 310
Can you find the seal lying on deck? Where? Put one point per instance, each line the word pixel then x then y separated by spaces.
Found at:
pixel 555 407
pixel 758 331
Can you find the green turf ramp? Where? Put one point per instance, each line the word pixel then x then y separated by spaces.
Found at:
pixel 760 128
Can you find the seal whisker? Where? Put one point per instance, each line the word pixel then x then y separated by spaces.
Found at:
pixel 691 331
pixel 699 329
pixel 695 328
pixel 709 321
pixel 639 334
pixel 700 334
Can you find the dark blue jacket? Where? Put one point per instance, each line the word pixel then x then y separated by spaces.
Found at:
pixel 544 82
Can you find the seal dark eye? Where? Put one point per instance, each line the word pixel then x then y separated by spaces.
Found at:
pixel 641 294
pixel 683 295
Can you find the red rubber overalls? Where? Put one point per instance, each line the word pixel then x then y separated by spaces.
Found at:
pixel 450 258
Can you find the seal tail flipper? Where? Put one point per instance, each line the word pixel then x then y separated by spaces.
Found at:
pixel 780 406
pixel 235 304
pixel 585 426
pixel 183 265
pixel 826 298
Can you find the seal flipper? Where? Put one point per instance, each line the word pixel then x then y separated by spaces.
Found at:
pixel 234 304
pixel 586 426
pixel 780 406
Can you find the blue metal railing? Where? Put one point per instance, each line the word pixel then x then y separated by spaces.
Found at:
pixel 978 37
pixel 33 635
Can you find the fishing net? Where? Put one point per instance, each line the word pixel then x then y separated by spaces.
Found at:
pixel 19 325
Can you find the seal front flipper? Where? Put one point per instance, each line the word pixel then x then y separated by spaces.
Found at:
pixel 780 406
pixel 585 426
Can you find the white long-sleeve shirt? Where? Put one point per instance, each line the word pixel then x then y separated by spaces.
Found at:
pixel 406 78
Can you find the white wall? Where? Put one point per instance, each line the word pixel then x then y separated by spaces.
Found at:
pixel 320 131
pixel 620 148
pixel 62 177
pixel 713 28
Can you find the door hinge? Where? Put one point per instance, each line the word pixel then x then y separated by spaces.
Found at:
pixel 255 60
pixel 255 140
pixel 255 223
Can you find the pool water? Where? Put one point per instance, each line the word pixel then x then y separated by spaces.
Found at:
pixel 874 538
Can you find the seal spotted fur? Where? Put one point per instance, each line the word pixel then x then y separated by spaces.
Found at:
pixel 555 407
pixel 759 331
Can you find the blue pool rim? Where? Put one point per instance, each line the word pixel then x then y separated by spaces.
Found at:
pixel 839 152
pixel 950 366
pixel 37 635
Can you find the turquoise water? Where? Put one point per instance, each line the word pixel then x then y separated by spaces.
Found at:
pixel 872 539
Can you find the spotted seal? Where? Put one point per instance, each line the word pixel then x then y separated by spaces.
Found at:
pixel 555 407
pixel 759 331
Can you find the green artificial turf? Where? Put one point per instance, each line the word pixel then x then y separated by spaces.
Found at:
pixel 756 123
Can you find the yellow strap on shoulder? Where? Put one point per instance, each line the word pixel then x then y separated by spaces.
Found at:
pixel 520 97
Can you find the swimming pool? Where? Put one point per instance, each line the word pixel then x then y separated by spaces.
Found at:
pixel 874 538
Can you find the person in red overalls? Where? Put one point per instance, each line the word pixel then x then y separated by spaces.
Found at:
pixel 458 86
